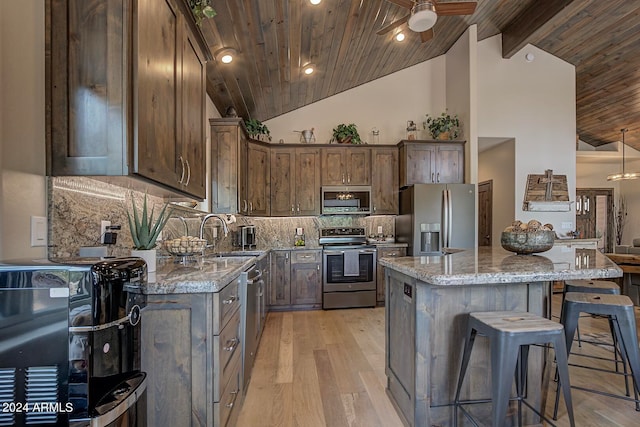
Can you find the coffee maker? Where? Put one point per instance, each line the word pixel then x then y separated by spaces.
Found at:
pixel 248 237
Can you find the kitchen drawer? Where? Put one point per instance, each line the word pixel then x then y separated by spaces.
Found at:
pixel 391 252
pixel 306 257
pixel 230 398
pixel 226 348
pixel 225 304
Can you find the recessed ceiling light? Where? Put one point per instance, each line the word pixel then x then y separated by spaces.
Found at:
pixel 315 1
pixel 309 69
pixel 399 37
pixel 225 55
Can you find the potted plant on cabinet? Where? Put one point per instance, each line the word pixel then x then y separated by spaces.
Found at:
pixel 258 130
pixel 345 134
pixel 444 126
pixel 201 9
pixel 145 231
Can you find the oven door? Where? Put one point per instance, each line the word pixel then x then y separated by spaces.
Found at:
pixel 349 269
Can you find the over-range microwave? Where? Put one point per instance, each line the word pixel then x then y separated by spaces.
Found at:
pixel 346 200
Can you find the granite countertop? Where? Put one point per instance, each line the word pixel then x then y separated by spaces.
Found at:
pixel 207 274
pixel 489 265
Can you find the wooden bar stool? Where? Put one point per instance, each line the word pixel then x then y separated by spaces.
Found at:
pixel 510 334
pixel 621 312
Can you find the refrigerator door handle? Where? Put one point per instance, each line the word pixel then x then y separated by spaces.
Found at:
pixel 445 218
pixel 450 219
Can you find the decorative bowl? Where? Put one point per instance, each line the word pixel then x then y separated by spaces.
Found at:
pixel 185 246
pixel 527 242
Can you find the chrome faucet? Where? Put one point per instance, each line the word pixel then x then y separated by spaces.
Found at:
pixel 225 227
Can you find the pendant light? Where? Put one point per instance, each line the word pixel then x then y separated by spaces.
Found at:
pixel 623 174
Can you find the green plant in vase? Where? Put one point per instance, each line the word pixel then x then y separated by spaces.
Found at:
pixel 444 126
pixel 345 134
pixel 257 129
pixel 201 9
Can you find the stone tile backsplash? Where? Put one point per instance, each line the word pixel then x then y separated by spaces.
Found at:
pixel 78 204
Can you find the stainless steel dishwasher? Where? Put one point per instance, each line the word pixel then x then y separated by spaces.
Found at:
pixel 252 291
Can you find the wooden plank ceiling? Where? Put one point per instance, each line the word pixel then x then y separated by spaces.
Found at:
pixel 276 38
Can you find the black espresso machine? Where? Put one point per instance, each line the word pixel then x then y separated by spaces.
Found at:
pixel 70 343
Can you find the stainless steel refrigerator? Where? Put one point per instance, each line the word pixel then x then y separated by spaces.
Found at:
pixel 436 216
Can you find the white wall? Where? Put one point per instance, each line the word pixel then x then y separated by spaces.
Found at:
pixel 386 103
pixel 462 94
pixel 498 164
pixel 22 125
pixel 534 103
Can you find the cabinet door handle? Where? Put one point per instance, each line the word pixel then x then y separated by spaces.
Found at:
pixel 286 256
pixel 231 344
pixel 188 172
pixel 233 398
pixel 579 206
pixel 438 177
pixel 343 178
pixel 182 174
pixel 433 177
pixel 230 300
pixel 393 254
pixel 348 178
pixel 245 206
pixel 292 210
pixel 250 207
pixel 318 267
pixel 586 203
pixel 374 208
pixel 298 208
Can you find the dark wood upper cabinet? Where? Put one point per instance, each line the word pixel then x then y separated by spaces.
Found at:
pixel 227 138
pixel 346 165
pixel 127 92
pixel 384 180
pixel 256 194
pixel 295 181
pixel 431 162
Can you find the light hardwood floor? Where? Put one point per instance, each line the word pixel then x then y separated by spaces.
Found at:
pixel 326 368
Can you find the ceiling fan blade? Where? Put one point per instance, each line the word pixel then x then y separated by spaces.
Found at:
pixel 425 36
pixel 455 8
pixel 393 25
pixel 403 3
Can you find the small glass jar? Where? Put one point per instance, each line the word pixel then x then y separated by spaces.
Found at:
pixel 298 238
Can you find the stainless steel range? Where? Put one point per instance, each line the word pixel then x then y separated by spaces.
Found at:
pixel 349 267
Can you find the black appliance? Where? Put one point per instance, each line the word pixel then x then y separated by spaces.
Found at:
pixel 71 342
pixel 349 268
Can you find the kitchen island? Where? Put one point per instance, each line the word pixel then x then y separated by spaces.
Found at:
pixel 426 302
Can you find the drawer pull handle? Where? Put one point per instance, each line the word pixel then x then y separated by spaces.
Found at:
pixel 234 394
pixel 305 256
pixel 230 300
pixel 393 254
pixel 231 344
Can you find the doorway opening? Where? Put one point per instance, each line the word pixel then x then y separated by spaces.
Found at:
pixel 594 216
pixel 485 213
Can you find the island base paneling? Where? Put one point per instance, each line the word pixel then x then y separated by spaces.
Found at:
pixel 425 329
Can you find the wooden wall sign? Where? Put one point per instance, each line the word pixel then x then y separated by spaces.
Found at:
pixel 547 193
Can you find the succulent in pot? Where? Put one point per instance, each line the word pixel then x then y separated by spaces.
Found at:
pixel 144 228
pixel 345 134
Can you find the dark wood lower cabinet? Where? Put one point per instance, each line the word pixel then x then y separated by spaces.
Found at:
pixel 296 279
pixel 385 253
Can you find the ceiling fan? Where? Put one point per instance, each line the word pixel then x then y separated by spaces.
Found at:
pixel 424 13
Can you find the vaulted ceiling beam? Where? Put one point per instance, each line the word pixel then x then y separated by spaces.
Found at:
pixel 523 27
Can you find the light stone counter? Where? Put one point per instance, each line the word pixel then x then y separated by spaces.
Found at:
pixel 208 274
pixel 488 265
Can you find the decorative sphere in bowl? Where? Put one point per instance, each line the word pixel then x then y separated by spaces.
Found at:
pixel 527 242
pixel 185 246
